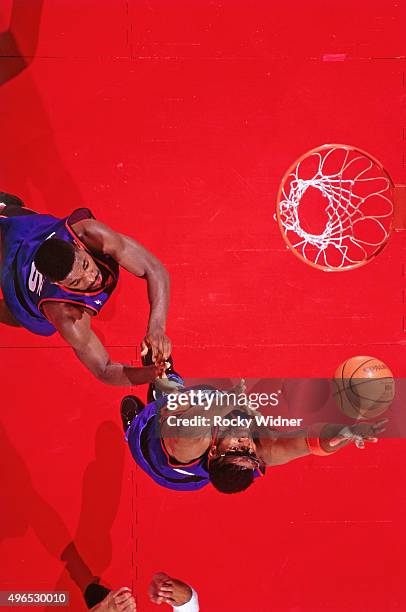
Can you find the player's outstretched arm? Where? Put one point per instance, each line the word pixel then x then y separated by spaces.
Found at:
pixel 320 439
pixel 74 325
pixel 132 256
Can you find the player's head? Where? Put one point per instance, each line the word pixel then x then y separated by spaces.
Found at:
pixel 68 265
pixel 232 462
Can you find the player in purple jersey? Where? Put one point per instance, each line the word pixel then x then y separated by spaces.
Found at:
pixel 189 437
pixel 56 274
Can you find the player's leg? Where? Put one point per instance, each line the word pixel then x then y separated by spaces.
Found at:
pixel 13 206
pixel 10 206
pixel 131 406
pixel 6 317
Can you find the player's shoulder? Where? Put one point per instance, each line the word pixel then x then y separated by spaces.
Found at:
pixel 95 235
pixel 86 226
pixel 72 321
pixel 186 450
pixel 62 312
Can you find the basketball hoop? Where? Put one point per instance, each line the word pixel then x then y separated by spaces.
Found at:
pixel 337 207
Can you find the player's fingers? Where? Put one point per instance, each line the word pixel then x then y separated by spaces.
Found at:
pixel 381 422
pixel 160 368
pixel 144 348
pixel 122 597
pixel 337 440
pixel 167 348
pixel 379 429
pixel 165 591
pixel 369 439
pixel 346 433
pixel 160 577
pixel 122 605
pixel 163 346
pixel 157 349
pixel 154 597
pixel 124 590
pixel 359 442
pixel 155 353
pixel 129 605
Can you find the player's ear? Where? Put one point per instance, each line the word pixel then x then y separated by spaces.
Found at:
pixel 212 452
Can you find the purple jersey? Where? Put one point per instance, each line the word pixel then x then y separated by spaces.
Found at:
pixel 149 452
pixel 25 290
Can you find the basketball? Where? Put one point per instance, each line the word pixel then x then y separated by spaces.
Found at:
pixel 365 387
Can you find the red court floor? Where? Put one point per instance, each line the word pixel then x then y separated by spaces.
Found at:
pixel 174 122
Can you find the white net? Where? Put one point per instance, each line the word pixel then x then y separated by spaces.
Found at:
pixel 335 207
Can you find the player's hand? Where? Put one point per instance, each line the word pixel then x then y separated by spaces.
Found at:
pixel 359 433
pixel 156 340
pixel 181 593
pixel 240 387
pixel 164 589
pixel 155 588
pixel 167 386
pixel 160 367
pixel 121 600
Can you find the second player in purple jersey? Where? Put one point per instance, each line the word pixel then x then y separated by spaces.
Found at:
pixel 25 289
pixel 57 274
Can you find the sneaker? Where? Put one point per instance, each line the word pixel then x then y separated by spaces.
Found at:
pixel 131 406
pixel 10 200
pixel 95 593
